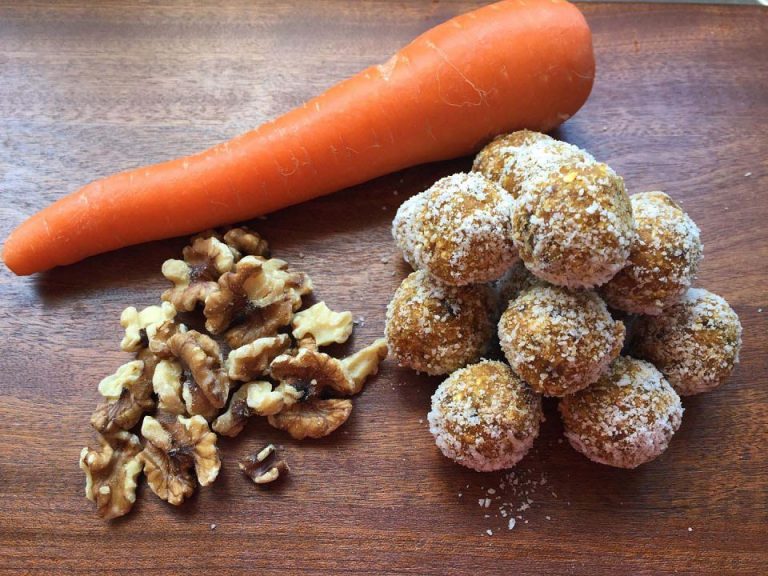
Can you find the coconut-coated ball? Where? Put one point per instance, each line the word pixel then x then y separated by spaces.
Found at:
pixel 559 340
pixel 573 226
pixel 505 162
pixel 572 222
pixel 626 418
pixel 662 261
pixel 695 343
pixel 436 328
pixel 485 417
pixel 459 230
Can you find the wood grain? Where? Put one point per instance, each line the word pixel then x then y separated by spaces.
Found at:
pixel 680 103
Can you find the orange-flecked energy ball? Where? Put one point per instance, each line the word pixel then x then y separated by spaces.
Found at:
pixel 503 160
pixel 574 227
pixel 459 230
pixel 484 417
pixel 663 260
pixel 695 343
pixel 572 222
pixel 436 328
pixel 558 340
pixel 626 418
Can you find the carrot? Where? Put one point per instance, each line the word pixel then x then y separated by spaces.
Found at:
pixel 510 65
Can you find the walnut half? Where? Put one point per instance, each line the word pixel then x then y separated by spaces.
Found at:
pixel 232 421
pixel 261 323
pixel 136 323
pixel 253 360
pixel 254 285
pixel 167 384
pixel 312 419
pixel 253 398
pixel 111 472
pixel 176 446
pixel 249 287
pixel 323 324
pixel 194 278
pixel 245 241
pixel 201 357
pixel 264 467
pixel 125 399
pixel 312 373
pixel 364 363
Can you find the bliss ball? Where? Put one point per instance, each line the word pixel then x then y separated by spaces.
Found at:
pixel 505 162
pixel 573 225
pixel 436 328
pixel 694 343
pixel 459 230
pixel 484 417
pixel 558 340
pixel 572 222
pixel 626 418
pixel 662 261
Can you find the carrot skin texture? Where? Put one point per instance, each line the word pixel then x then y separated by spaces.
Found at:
pixel 510 65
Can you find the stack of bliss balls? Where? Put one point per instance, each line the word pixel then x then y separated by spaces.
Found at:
pixel 541 245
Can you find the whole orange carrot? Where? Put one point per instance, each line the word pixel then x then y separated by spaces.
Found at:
pixel 510 65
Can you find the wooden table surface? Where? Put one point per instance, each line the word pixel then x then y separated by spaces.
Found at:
pixel 680 104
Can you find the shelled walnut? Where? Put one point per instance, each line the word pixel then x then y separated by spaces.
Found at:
pixel 194 277
pixel 179 380
pixel 167 384
pixel 364 363
pixel 312 374
pixel 264 467
pixel 203 365
pixel 312 371
pixel 124 401
pixel 296 284
pixel 241 240
pixel 208 233
pixel 111 472
pixel 175 447
pixel 254 284
pixel 312 419
pixel 247 242
pixel 238 293
pixel 136 323
pixel 252 360
pixel 254 398
pixel 159 334
pixel 325 325
pixel 261 323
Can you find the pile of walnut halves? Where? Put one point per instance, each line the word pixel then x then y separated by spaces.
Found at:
pixel 181 389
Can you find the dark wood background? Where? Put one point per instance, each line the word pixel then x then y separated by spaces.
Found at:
pixel 680 104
